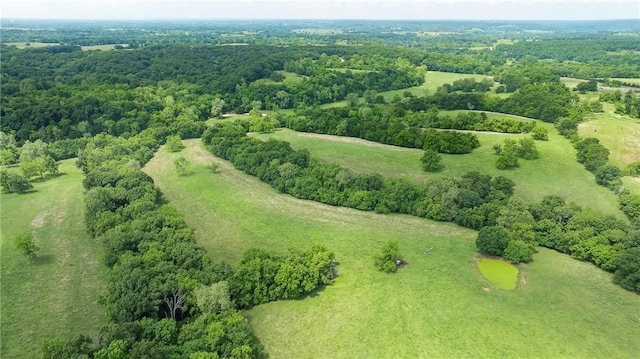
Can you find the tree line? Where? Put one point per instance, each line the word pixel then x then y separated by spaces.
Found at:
pixel 509 227
pixel 165 297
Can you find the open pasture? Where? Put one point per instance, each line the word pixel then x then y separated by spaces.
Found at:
pixel 437 306
pixel 555 172
pixel 620 134
pixel 433 80
pixel 56 295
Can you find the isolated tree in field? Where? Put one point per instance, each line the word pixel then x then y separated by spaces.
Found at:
pixel 386 259
pixel 174 144
pixel 540 133
pixel 182 165
pixel 431 161
pixel 589 86
pixel 492 240
pixel 25 244
pixel 11 182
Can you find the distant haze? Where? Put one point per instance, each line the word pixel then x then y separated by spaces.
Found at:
pixel 323 9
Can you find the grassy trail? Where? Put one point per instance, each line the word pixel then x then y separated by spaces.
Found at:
pixel 56 296
pixel 437 306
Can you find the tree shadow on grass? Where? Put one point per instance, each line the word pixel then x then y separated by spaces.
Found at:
pixel 44 260
pixel 47 177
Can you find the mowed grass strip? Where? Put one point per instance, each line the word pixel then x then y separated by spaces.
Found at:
pixel 56 296
pixel 434 307
pixel 555 172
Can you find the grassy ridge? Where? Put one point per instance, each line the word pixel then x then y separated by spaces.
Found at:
pixel 439 305
pixel 54 297
pixel 556 172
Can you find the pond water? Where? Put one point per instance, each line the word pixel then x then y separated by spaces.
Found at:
pixel 499 272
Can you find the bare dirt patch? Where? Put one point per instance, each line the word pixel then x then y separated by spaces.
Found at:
pixel 41 218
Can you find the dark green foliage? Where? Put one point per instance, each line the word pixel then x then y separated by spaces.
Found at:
pixel 431 161
pixel 492 240
pixel 511 150
pixel 450 141
pixel 568 127
pixel 262 276
pixel 79 347
pixel 385 124
pixel 628 273
pixel 293 172
pixel 518 251
pixel 388 258
pixel 539 133
pixel 12 182
pixel 608 176
pixel 591 153
pixel 589 86
pixel 478 121
pixel 155 264
pixel 630 205
pixel 547 102
pixel 507 160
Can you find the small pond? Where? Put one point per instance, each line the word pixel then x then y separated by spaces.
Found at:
pixel 499 272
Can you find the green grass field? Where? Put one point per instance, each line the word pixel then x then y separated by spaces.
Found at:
pixel 433 80
pixel 56 296
pixel 22 45
pixel 555 172
pixel 437 306
pixel 632 183
pixel 629 79
pixel 620 134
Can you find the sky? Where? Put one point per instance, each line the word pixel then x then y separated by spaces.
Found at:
pixel 323 9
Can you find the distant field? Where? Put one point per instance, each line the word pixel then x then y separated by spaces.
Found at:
pixel 289 77
pixel 629 80
pixel 620 134
pixel 490 115
pixel 316 31
pixel 433 80
pixel 438 306
pixel 22 45
pixel 556 172
pixel 571 82
pixel 106 47
pixel 56 296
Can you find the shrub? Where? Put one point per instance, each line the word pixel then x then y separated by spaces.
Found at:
pixel 385 260
pixel 518 251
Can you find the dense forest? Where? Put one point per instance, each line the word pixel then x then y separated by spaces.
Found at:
pixel 113 109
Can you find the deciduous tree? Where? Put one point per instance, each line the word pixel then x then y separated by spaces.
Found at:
pixel 25 244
